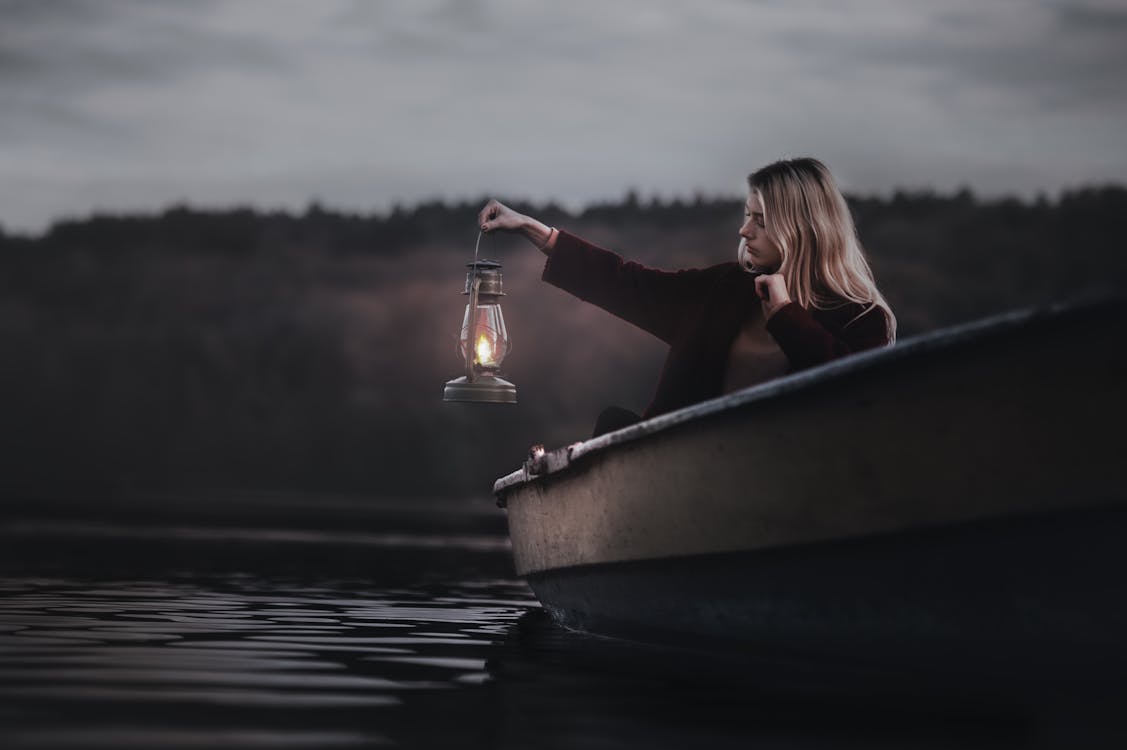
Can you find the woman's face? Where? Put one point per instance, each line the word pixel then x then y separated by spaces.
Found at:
pixel 764 253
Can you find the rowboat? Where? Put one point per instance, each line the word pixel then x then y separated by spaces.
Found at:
pixel 960 494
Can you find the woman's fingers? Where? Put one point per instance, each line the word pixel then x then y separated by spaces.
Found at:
pixel 488 211
pixel 768 283
pixel 772 291
pixel 488 216
pixel 762 287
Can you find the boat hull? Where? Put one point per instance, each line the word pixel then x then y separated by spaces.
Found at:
pixel 1043 592
pixel 678 524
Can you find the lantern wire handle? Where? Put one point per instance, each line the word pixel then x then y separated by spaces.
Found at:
pixel 471 376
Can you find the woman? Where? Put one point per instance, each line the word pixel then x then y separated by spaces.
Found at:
pixel 799 294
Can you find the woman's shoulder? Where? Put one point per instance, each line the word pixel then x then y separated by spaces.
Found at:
pixel 730 269
pixel 729 279
pixel 709 276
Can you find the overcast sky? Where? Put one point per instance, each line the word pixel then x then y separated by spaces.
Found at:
pixel 132 105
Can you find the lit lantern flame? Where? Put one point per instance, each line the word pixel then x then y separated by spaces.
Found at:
pixel 484 351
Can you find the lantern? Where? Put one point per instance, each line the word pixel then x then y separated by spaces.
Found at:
pixel 484 342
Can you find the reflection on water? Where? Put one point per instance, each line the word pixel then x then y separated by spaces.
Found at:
pixel 237 661
pixel 145 636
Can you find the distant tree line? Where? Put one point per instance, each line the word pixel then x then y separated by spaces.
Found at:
pixel 244 349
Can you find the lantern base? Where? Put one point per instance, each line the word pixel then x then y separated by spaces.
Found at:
pixel 485 389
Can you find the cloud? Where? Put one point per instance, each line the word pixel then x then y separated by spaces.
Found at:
pixel 132 104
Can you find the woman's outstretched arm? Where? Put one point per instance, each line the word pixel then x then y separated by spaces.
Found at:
pixel 654 300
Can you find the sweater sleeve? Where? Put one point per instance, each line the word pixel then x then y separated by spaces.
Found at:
pixel 808 342
pixel 653 300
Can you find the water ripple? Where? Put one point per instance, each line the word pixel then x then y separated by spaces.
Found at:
pixel 188 650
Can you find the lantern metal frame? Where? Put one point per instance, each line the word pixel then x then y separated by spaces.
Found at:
pixel 480 385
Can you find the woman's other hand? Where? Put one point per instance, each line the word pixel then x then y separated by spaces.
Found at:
pixel 772 291
pixel 497 217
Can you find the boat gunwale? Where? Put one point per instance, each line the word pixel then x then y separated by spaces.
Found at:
pixel 561 460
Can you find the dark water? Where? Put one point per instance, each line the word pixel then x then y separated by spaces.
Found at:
pixel 391 624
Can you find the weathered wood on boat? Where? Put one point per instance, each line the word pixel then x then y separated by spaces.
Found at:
pixel 1012 417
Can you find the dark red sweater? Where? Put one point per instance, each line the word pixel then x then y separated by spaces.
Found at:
pixel 699 312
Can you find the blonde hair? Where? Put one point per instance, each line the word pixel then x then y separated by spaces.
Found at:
pixel 806 216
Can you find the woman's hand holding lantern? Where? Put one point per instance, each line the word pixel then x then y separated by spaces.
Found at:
pixel 497 217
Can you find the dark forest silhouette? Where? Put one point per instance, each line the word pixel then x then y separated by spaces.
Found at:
pixel 242 349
